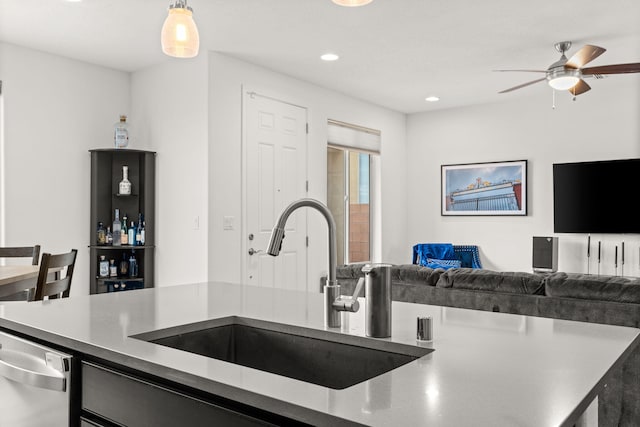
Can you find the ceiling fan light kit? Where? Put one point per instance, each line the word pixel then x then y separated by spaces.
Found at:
pixel 179 37
pixel 564 80
pixel 568 74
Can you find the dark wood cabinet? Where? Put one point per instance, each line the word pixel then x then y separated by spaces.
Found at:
pixel 111 396
pixel 106 174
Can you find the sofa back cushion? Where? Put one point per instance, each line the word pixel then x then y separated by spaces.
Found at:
pixel 593 287
pixel 415 274
pixel 493 281
pixel 405 273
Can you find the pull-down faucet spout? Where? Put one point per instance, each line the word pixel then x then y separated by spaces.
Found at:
pixel 277 235
pixel 333 302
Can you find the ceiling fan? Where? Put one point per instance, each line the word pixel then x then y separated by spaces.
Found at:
pixel 569 74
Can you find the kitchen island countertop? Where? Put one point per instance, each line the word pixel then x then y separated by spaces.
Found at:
pixel 488 369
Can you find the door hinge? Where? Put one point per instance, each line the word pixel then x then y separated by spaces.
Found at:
pixel 307 241
pixel 307 186
pixel 307 128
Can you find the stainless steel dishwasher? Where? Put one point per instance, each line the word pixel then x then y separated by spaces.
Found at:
pixel 35 383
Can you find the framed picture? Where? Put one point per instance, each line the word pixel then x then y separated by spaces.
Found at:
pixel 498 188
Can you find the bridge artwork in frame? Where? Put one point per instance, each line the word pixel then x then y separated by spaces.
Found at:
pixel 498 188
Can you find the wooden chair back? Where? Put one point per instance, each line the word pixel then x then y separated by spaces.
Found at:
pixel 50 282
pixel 32 252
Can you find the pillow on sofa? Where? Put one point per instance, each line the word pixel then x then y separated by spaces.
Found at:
pixel 593 287
pixel 493 281
pixel 445 264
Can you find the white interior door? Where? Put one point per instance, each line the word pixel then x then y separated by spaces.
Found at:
pixel 275 175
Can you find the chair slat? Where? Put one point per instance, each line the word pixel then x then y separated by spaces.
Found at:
pixel 32 252
pixel 55 265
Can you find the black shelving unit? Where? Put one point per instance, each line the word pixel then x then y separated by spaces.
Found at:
pixel 106 174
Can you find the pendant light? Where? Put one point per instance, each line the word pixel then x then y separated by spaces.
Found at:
pixel 352 3
pixel 179 33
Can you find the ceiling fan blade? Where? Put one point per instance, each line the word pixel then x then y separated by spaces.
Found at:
pixel 526 71
pixel 585 55
pixel 523 85
pixel 580 88
pixel 612 69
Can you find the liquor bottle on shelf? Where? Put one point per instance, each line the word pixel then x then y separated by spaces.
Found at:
pixel 139 236
pixel 133 266
pixel 124 234
pixel 124 188
pixel 132 234
pixel 109 236
pixel 104 267
pixel 116 229
pixel 142 234
pixel 113 269
pixel 138 233
pixel 123 269
pixel 101 234
pixel 121 133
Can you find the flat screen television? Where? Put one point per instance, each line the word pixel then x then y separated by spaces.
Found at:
pixel 596 197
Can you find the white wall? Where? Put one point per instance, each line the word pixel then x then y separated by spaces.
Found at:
pixel 601 124
pixel 227 75
pixel 169 115
pixel 56 109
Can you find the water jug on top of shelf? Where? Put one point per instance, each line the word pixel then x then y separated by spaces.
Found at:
pixel 121 133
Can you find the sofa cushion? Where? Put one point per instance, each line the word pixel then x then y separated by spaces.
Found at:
pixel 493 281
pixel 349 271
pixel 416 274
pixel 593 287
pixel 405 273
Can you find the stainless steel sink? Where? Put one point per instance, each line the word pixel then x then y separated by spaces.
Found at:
pixel 326 358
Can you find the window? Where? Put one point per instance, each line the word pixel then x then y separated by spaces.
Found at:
pixel 349 191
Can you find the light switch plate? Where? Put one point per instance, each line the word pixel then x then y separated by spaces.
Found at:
pixel 227 223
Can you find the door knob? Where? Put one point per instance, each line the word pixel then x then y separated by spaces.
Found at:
pixel 253 251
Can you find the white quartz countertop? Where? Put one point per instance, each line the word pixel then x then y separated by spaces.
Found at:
pixel 488 369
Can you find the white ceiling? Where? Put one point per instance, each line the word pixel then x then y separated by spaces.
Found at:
pixel 393 52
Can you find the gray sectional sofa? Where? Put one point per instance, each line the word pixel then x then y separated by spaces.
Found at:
pixel 587 298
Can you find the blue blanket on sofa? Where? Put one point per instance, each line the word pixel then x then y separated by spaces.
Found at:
pixel 446 255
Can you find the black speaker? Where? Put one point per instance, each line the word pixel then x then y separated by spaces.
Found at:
pixel 545 254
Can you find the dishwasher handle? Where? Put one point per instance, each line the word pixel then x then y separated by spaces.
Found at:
pixel 49 381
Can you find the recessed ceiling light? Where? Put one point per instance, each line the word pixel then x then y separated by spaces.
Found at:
pixel 329 57
pixel 352 3
pixel 432 98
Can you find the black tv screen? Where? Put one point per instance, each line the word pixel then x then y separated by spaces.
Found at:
pixel 596 197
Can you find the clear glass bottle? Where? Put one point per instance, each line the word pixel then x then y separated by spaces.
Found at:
pixel 133 266
pixel 109 236
pixel 116 228
pixel 101 234
pixel 113 269
pixel 124 188
pixel 121 133
pixel 103 267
